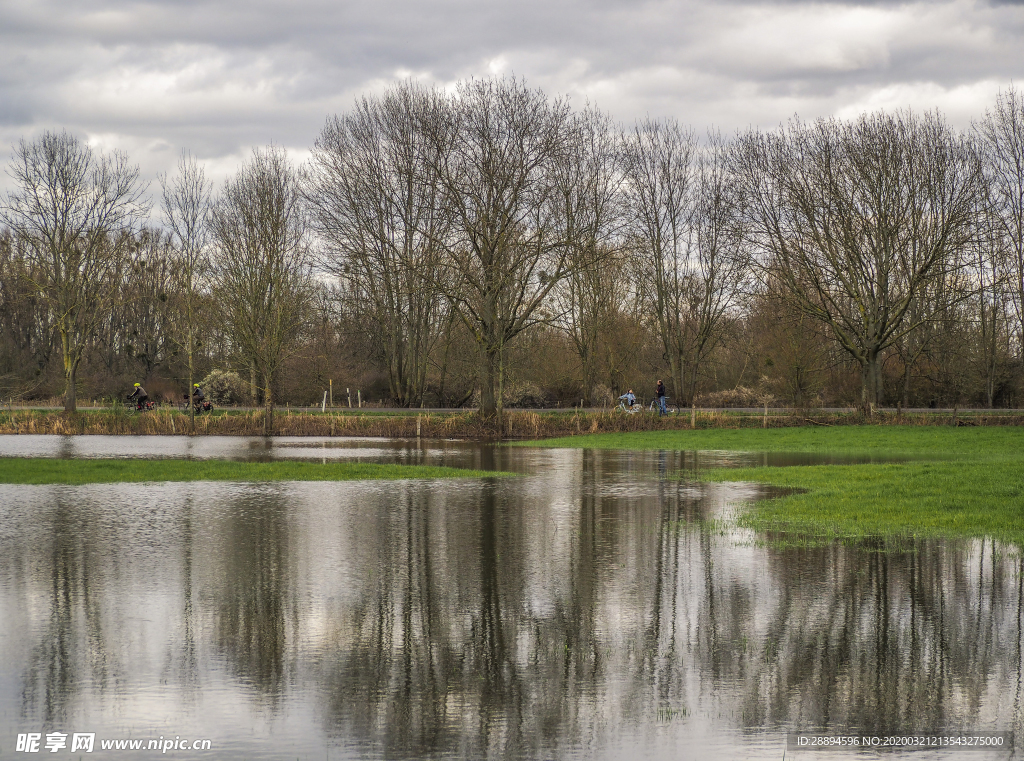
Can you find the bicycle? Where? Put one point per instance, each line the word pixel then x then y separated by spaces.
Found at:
pixel 204 406
pixel 670 407
pixel 629 409
pixel 131 407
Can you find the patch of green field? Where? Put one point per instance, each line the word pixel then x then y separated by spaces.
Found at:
pixel 940 441
pixel 914 499
pixel 966 482
pixel 32 470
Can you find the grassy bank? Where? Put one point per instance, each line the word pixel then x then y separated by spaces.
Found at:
pixel 514 424
pixel 30 470
pixel 940 441
pixel 966 482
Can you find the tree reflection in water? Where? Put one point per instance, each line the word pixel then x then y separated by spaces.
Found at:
pixel 70 654
pixel 256 604
pixel 598 604
pixel 657 617
pixel 886 641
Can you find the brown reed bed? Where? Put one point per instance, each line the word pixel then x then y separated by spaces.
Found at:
pixel 513 424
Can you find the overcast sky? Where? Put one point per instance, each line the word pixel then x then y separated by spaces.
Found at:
pixel 219 77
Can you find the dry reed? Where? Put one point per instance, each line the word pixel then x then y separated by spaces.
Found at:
pixel 512 424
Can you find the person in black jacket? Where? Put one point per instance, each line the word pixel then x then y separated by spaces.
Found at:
pixel 661 398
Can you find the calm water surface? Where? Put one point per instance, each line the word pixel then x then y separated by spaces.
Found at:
pixel 594 608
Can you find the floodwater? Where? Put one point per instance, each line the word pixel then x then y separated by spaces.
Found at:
pixel 596 607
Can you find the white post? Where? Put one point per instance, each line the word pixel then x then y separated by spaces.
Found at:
pixel 359 396
pixel 323 407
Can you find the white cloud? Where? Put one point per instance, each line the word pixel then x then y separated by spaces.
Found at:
pixel 218 77
pixel 960 104
pixel 801 41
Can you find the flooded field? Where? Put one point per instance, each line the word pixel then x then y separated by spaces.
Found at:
pixel 597 607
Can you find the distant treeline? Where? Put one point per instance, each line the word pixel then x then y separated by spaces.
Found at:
pixel 492 246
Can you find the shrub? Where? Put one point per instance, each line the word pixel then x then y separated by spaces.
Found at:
pixel 740 396
pixel 225 387
pixel 517 394
pixel 601 395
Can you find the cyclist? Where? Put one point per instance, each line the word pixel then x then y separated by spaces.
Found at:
pixel 628 399
pixel 661 398
pixel 198 397
pixel 140 396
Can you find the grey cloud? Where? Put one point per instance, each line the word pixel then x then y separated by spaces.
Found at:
pixel 219 76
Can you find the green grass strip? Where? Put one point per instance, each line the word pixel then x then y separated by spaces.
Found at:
pixel 959 499
pixel 32 470
pixel 938 441
pixel 963 482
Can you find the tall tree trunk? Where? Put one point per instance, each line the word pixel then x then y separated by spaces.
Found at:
pixel 268 408
pixel 678 374
pixel 191 378
pixel 70 392
pixel 587 368
pixel 991 345
pixel 871 387
pixel 689 397
pixel 906 384
pixel 489 368
pixel 70 372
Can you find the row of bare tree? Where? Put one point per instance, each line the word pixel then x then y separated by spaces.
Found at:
pixel 505 208
pixel 75 236
pixel 434 221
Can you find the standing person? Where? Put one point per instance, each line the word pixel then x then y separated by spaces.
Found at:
pixel 661 398
pixel 140 396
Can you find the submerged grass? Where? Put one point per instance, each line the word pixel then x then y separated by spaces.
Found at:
pixel 32 470
pixel 963 482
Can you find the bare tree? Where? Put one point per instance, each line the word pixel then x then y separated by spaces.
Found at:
pixel 374 195
pixel 854 220
pixel 186 204
pixel 989 276
pixel 145 309
pixel 26 327
pixel 685 240
pixel 262 265
pixel 587 194
pixel 928 314
pixel 1001 137
pixel 75 212
pixel 494 147
pixel 787 346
